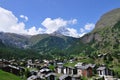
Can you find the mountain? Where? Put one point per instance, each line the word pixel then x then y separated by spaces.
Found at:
pixel 1 43
pixel 105 38
pixel 50 43
pixel 109 19
pixel 14 40
pixel 43 44
pixel 104 41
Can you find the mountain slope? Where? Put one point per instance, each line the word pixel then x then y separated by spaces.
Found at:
pixel 14 45
pixel 109 19
pixel 8 76
pixel 105 38
pixel 14 40
pixel 52 42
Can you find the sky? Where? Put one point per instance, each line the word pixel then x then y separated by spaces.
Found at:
pixel 68 17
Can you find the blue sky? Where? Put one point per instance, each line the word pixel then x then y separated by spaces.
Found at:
pixel 43 15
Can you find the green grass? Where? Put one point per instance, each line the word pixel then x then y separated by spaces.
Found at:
pixel 71 64
pixel 85 60
pixel 8 76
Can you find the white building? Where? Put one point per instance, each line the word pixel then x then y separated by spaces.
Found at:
pixel 103 71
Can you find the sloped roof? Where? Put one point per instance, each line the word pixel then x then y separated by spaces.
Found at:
pixel 101 68
pixel 33 77
pixel 86 66
pixel 63 77
pixel 49 74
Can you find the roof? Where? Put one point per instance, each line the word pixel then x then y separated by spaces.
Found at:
pixel 76 76
pixel 33 77
pixel 14 67
pixel 70 67
pixel 49 74
pixel 63 77
pixel 45 69
pixel 79 64
pixel 60 63
pixel 86 66
pixel 101 68
pixel 92 65
pixel 81 67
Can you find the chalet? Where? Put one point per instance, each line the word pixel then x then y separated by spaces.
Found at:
pixel 103 71
pixel 50 76
pixel 46 62
pixel 60 68
pixel 44 69
pixel 12 69
pixel 85 70
pixel 4 63
pixel 30 64
pixel 65 77
pixel 71 70
pixel 1 64
pixel 46 74
pixel 60 64
pixel 37 63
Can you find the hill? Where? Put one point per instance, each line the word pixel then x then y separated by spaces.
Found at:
pixel 9 76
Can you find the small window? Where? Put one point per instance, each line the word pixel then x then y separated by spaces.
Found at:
pixel 100 72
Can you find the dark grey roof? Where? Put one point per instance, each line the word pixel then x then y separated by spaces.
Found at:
pixel 81 67
pixel 101 68
pixel 60 63
pixel 76 76
pixel 91 65
pixel 50 74
pixel 33 77
pixel 86 66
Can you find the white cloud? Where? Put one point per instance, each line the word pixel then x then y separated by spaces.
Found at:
pixel 73 21
pixel 82 30
pixel 73 32
pixel 24 17
pixel 9 23
pixel 53 25
pixel 33 31
pixel 61 26
pixel 89 26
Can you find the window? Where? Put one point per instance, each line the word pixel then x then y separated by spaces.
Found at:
pixel 100 72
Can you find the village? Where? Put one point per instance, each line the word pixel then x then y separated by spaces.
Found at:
pixel 56 70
